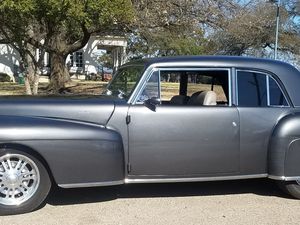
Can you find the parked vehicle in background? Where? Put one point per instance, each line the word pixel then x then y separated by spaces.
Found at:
pixel 180 119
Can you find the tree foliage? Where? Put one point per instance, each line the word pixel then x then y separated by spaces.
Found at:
pixel 61 27
pixel 106 60
pixel 154 28
pixel 166 28
pixel 230 27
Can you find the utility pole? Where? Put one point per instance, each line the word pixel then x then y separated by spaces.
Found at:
pixel 277 30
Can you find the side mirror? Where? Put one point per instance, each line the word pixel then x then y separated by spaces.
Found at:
pixel 152 103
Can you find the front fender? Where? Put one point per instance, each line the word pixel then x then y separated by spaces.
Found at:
pixel 77 153
pixel 284 149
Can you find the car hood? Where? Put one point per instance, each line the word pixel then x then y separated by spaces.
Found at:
pixel 92 109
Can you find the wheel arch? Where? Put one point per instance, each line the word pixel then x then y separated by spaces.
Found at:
pixel 284 149
pixel 30 151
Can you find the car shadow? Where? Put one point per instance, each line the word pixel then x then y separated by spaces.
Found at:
pixel 263 187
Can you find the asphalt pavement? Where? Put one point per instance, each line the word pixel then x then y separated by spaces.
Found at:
pixel 228 202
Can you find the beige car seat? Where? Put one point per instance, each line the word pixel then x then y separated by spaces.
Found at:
pixel 203 98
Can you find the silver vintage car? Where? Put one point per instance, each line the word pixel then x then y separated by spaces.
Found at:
pixel 180 119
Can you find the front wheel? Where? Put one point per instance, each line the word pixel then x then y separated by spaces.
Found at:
pixel 24 182
pixel 291 187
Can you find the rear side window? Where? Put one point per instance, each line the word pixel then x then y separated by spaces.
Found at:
pixel 258 90
pixel 252 89
pixel 276 96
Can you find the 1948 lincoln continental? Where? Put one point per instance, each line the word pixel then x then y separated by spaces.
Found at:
pixel 180 119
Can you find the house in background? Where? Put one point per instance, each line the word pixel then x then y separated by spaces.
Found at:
pixel 9 61
pixel 85 61
pixel 81 63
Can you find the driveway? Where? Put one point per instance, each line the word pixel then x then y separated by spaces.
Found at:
pixel 230 202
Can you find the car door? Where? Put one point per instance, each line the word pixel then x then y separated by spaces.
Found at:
pixel 261 102
pixel 182 140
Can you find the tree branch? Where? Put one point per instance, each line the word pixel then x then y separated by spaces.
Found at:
pixel 79 43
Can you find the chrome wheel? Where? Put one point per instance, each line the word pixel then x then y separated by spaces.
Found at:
pixel 298 182
pixel 19 179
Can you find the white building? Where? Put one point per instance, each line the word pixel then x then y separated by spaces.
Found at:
pixel 9 61
pixel 84 61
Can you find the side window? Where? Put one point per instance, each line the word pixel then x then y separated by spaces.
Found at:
pixel 276 96
pixel 151 89
pixel 188 87
pixel 253 90
pixel 217 83
pixel 170 84
pixel 183 87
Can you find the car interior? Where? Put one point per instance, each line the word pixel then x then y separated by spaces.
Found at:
pixel 195 88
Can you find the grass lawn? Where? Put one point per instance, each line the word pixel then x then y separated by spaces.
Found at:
pixel 81 87
pixel 168 90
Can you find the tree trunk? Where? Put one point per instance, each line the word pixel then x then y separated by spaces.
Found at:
pixel 27 85
pixel 35 84
pixel 29 73
pixel 32 83
pixel 59 74
pixel 31 77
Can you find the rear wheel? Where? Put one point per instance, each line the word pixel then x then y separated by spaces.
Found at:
pixel 291 187
pixel 24 182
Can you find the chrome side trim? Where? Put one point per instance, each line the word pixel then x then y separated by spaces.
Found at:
pixel 175 180
pixel 96 184
pixel 284 178
pixel 199 179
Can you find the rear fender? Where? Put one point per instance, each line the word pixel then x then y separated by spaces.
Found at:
pixel 284 149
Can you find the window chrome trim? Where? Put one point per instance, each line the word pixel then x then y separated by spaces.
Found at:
pixel 268 88
pixel 236 88
pixel 159 85
pixel 158 67
pixel 230 87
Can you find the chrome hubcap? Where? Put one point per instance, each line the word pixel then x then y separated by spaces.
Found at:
pixel 19 179
pixel 298 182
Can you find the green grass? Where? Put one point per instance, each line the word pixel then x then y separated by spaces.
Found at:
pixel 80 87
pixel 97 87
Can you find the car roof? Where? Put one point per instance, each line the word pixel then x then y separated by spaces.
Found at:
pixel 285 73
pixel 217 60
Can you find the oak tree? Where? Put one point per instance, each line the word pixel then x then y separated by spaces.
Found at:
pixel 61 27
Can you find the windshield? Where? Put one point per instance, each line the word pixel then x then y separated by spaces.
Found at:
pixel 124 81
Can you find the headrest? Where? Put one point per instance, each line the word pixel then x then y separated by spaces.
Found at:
pixel 203 98
pixel 209 97
pixel 179 100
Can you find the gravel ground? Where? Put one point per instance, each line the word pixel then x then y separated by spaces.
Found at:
pixel 231 202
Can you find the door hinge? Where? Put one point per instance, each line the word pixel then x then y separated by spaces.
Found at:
pixel 128 167
pixel 128 119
